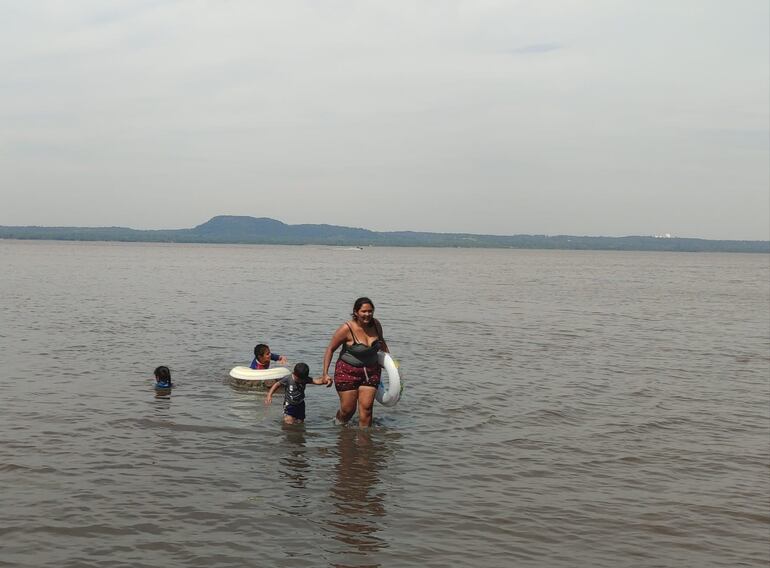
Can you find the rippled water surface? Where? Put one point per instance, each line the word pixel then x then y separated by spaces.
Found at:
pixel 591 409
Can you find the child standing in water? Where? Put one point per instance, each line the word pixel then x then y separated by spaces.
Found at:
pixel 294 393
pixel 263 356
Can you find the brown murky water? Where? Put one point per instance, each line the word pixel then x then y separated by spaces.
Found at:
pixel 566 409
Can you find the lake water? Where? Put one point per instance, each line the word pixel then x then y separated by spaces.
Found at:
pixel 561 408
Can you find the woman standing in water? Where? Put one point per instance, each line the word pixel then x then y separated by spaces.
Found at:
pixel 357 372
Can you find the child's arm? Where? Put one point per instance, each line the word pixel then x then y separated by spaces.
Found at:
pixel 321 381
pixel 269 397
pixel 278 358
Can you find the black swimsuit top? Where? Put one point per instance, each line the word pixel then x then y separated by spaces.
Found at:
pixel 360 354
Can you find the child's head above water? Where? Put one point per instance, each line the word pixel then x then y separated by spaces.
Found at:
pixel 162 377
pixel 302 371
pixel 262 353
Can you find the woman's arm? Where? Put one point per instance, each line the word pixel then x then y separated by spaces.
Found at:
pixel 337 339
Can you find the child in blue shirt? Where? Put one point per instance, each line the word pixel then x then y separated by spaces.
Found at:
pixel 263 356
pixel 163 378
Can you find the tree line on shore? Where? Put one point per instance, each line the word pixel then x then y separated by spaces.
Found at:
pixel 252 230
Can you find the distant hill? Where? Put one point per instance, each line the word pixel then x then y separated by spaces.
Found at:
pixel 262 230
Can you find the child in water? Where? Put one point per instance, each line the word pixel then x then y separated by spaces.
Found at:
pixel 263 356
pixel 294 393
pixel 163 378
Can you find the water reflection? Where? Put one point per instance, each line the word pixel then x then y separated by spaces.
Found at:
pixel 295 468
pixel 358 497
pixel 162 393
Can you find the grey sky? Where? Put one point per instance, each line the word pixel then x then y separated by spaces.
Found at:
pixel 589 118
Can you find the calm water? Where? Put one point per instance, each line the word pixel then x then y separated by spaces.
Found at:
pixel 567 409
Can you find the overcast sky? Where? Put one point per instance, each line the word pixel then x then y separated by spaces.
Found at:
pixel 548 117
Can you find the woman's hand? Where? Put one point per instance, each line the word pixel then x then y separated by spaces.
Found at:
pixel 269 398
pixel 327 380
pixel 282 360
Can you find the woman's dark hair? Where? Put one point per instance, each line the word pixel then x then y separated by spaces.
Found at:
pixel 162 374
pixel 360 302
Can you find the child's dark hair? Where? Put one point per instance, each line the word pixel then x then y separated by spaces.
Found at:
pixel 260 350
pixel 162 374
pixel 302 371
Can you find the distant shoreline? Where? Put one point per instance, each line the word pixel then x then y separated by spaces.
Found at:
pixel 265 231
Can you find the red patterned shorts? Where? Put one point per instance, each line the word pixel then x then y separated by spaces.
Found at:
pixel 347 377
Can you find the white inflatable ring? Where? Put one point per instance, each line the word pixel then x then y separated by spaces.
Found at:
pixel 248 374
pixel 390 395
